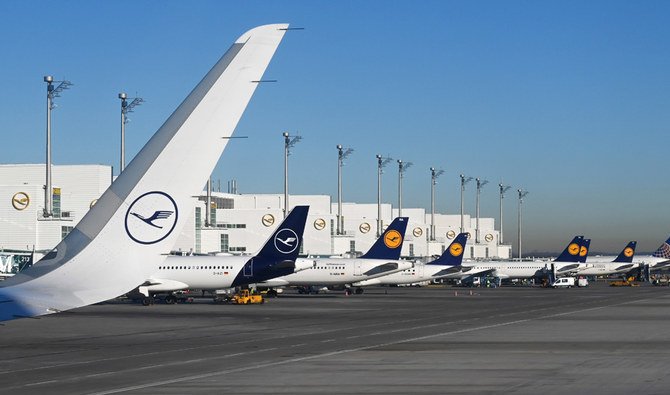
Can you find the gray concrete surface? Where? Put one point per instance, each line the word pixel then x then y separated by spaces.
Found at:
pixel 387 341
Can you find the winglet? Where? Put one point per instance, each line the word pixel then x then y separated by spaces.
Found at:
pixel 389 244
pixel 571 252
pixel 453 256
pixel 110 251
pixel 626 255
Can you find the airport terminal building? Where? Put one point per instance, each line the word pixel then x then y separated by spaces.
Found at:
pixel 235 223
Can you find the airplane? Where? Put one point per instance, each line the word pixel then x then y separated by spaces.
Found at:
pixel 276 258
pixel 447 263
pixel 660 259
pixel 567 262
pixel 623 263
pixel 110 251
pixel 383 258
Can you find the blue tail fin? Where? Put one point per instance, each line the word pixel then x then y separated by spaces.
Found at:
pixel 584 250
pixel 452 256
pixel 284 244
pixel 278 255
pixel 389 244
pixel 571 252
pixel 664 250
pixel 626 255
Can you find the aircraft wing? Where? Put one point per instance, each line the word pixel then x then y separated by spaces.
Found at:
pixel 384 268
pixel 113 249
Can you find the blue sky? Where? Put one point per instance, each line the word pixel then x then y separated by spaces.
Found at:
pixel 567 99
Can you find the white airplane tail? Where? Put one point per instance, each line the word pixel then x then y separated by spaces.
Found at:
pixel 138 218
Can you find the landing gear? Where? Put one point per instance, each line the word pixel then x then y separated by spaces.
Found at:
pixel 348 291
pixel 359 291
pixel 170 299
pixel 272 293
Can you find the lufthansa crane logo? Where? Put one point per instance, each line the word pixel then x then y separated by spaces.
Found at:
pixel 417 232
pixel 451 234
pixel 583 251
pixel 268 220
pixel 286 241
pixel 20 201
pixel 392 239
pixel 628 252
pixel 573 249
pixel 364 227
pixel 319 224
pixel 151 217
pixel 488 237
pixel 456 249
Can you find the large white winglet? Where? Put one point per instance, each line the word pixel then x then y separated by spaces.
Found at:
pixel 114 247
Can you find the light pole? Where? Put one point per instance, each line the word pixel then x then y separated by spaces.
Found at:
pixel 52 92
pixel 402 166
pixel 503 189
pixel 342 154
pixel 381 162
pixel 125 109
pixel 464 180
pixel 522 194
pixel 289 142
pixel 433 180
pixel 480 184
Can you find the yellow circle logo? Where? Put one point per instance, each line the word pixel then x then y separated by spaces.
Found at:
pixel 392 239
pixel 20 201
pixel 583 251
pixel 628 252
pixel 364 227
pixel 488 237
pixel 319 224
pixel 456 249
pixel 451 234
pixel 268 219
pixel 573 249
pixel 417 232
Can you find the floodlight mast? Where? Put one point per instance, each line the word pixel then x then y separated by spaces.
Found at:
pixel 503 189
pixel 522 194
pixel 433 180
pixel 125 109
pixel 402 166
pixel 381 162
pixel 52 92
pixel 480 184
pixel 289 142
pixel 342 153
pixel 464 180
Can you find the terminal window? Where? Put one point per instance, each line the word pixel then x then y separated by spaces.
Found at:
pixel 65 230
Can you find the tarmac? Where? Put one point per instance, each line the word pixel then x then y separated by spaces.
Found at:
pixel 521 340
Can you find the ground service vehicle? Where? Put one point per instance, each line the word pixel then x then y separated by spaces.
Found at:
pixel 246 297
pixel 564 282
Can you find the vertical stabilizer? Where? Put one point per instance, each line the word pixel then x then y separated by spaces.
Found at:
pixel 453 255
pixel 389 244
pixel 626 255
pixel 571 252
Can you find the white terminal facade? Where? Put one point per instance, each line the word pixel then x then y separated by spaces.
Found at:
pixel 238 223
